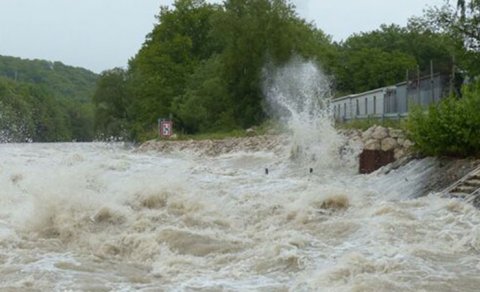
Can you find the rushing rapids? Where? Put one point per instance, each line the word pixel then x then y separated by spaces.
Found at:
pixel 100 217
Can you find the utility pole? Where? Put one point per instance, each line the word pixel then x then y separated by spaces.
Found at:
pixel 452 77
pixel 407 87
pixel 418 85
pixel 432 82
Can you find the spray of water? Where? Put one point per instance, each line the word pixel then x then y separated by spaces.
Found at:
pixel 298 94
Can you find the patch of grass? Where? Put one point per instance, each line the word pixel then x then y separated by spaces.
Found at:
pixel 364 124
pixel 213 136
pixel 153 135
pixel 271 127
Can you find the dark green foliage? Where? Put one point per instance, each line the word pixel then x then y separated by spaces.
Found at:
pixel 44 101
pixel 159 72
pixel 469 22
pixel 202 63
pixel 382 57
pixel 207 95
pixel 29 113
pixel 110 100
pixel 64 82
pixel 370 68
pixel 451 127
pixel 459 24
pixel 257 32
pixel 81 121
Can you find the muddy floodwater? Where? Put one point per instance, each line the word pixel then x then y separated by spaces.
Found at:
pixel 103 217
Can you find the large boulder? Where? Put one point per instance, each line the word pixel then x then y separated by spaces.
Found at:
pixel 389 144
pixel 367 134
pixel 407 144
pixel 380 133
pixel 399 153
pixel 372 144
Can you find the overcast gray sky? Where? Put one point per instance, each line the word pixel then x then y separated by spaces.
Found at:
pixel 102 34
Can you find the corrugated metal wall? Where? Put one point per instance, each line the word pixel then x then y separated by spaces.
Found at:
pixel 391 102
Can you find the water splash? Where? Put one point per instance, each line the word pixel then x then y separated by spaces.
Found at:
pixel 298 94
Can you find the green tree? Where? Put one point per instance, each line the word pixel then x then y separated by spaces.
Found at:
pixel 203 63
pixel 256 33
pixel 81 118
pixel 110 100
pixel 29 112
pixel 468 22
pixel 370 68
pixel 52 99
pixel 206 105
pixel 382 57
pixel 459 24
pixel 159 72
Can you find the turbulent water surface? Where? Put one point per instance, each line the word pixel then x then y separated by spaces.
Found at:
pixel 101 217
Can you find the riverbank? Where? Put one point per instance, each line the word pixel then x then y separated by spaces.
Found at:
pixel 441 173
pixel 214 147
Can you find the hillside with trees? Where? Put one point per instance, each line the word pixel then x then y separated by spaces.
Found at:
pixel 45 101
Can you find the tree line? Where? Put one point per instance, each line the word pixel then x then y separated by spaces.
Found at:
pixel 45 101
pixel 202 63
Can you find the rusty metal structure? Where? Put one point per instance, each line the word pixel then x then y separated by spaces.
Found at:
pixel 371 160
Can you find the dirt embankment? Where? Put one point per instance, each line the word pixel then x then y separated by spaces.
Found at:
pixel 273 143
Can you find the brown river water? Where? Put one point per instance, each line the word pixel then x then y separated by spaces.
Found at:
pixel 101 217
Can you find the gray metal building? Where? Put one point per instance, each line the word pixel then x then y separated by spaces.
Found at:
pixel 392 101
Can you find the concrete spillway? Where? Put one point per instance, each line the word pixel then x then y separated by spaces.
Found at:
pixel 466 188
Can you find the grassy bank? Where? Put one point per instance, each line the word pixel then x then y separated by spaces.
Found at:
pixel 364 124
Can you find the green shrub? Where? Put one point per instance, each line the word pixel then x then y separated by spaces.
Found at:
pixel 449 128
pixel 364 124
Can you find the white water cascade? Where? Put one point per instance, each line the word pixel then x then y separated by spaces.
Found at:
pixel 103 217
pixel 298 94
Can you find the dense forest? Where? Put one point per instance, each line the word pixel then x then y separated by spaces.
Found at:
pixel 45 101
pixel 202 63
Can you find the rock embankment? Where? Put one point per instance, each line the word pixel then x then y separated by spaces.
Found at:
pixel 382 138
pixel 217 147
pixel 375 138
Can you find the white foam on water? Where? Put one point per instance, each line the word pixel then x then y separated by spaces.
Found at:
pixel 298 94
pixel 77 214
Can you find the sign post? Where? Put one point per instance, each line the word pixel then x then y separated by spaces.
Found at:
pixel 165 128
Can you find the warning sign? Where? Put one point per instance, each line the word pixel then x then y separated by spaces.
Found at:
pixel 166 128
